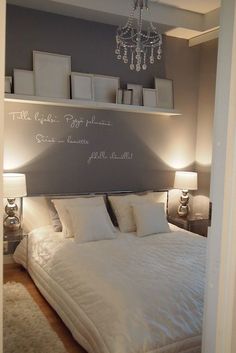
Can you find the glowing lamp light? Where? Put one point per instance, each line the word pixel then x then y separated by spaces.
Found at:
pixel 185 181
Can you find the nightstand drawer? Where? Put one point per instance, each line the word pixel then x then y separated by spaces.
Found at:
pixel 194 225
pixel 199 226
pixel 10 246
pixel 11 240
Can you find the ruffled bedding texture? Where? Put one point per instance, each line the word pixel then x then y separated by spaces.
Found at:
pixel 130 294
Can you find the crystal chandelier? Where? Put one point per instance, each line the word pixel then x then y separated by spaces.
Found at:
pixel 133 41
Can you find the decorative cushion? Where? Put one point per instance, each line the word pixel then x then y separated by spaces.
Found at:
pixel 158 196
pixel 61 207
pixel 56 223
pixel 90 223
pixel 122 208
pixel 150 218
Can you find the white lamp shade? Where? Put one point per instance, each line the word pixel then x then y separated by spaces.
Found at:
pixel 185 180
pixel 14 185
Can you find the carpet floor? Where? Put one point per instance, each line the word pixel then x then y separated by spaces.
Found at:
pixel 25 328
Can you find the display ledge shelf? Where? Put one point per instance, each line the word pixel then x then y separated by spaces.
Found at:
pixel 89 104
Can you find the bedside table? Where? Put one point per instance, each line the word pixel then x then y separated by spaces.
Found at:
pixel 195 225
pixel 11 240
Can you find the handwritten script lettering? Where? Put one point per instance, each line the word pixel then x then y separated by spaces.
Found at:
pixel 93 121
pixel 103 155
pixel 77 122
pixel 24 115
pixel 97 156
pixel 49 139
pixel 75 141
pixel 49 118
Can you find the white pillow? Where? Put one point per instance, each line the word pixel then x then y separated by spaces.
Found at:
pixel 61 207
pixel 150 218
pixel 55 220
pixel 122 207
pixel 90 223
pixel 158 196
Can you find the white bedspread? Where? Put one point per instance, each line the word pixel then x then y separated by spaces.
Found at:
pixel 133 295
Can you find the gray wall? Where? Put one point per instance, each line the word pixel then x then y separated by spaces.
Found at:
pixel 174 142
pixel 105 152
pixel 205 116
pixel 90 44
pixel 182 65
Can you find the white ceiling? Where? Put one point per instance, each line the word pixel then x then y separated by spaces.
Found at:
pixel 176 21
pixel 200 6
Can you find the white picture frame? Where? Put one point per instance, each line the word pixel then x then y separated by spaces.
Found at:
pixel 128 96
pixel 23 82
pixel 165 93
pixel 8 84
pixel 105 88
pixel 150 97
pixel 52 74
pixel 119 96
pixel 137 93
pixel 82 86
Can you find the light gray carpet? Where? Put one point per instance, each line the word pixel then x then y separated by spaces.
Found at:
pixel 25 329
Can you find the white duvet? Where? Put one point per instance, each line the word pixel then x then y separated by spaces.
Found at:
pixel 126 295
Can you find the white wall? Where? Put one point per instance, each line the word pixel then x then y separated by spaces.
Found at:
pixel 219 315
pixel 2 74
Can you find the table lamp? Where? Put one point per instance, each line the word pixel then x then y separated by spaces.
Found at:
pixel 185 181
pixel 14 185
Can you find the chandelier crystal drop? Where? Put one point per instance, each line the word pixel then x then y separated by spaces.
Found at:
pixel 136 46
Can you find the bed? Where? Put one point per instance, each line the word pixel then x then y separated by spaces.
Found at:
pixel 128 294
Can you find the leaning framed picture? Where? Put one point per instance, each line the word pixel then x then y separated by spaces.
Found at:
pixel 119 96
pixel 137 93
pixel 150 98
pixel 81 86
pixel 23 82
pixel 105 88
pixel 165 93
pixel 128 96
pixel 8 84
pixel 52 74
